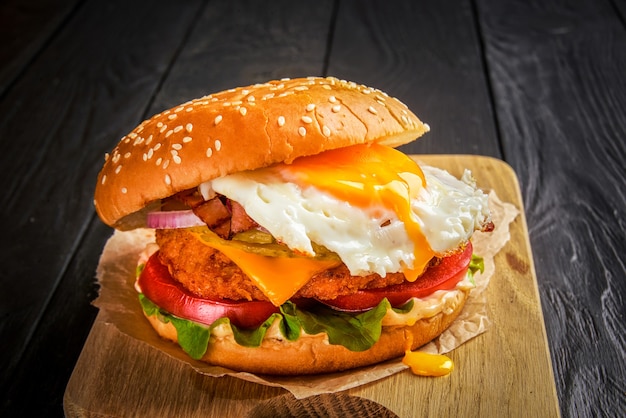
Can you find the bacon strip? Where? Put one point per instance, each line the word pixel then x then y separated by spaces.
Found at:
pixel 240 221
pixel 223 216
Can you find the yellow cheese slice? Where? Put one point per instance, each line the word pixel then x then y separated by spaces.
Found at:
pixel 279 278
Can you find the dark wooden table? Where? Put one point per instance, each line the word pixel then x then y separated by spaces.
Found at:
pixel 538 84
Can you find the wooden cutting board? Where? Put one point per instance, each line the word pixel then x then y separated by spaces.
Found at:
pixel 504 372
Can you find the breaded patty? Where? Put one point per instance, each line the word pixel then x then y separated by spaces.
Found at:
pixel 208 273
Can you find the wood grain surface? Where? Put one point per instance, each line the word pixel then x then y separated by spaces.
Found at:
pixel 503 372
pixel 577 213
pixel 66 129
pixel 408 60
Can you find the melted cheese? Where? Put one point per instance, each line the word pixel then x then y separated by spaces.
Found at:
pixel 278 278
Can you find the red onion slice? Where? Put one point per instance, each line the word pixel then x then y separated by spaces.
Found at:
pixel 173 219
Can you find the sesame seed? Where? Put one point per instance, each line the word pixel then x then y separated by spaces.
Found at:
pixel 327 87
pixel 159 124
pixel 104 179
pixel 281 120
pixel 404 119
pixel 168 179
pixel 163 128
pixel 251 98
pixel 366 91
pixel 145 156
pixel 158 161
pixel 127 155
pixel 166 163
pixel 172 116
pixel 243 111
pixel 124 190
pixel 126 140
pixel 302 131
pixel 218 119
pixel 336 108
pixel 132 135
pixel 169 133
pixel 149 140
pixel 106 156
pixel 310 107
pixel 116 158
pixel 326 131
pixel 427 127
pixel 209 152
pixel 177 146
pixel 117 170
pixel 332 99
pixel 178 109
pixel 178 128
pixel 307 119
pixel 372 110
pixel 157 146
pixel 301 88
pixel 189 109
pixel 218 145
pixel 150 153
pixel 176 159
pixel 187 139
pixel 189 127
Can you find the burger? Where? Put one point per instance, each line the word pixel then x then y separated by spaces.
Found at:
pixel 291 236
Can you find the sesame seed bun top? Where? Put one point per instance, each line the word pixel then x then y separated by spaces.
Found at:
pixel 243 129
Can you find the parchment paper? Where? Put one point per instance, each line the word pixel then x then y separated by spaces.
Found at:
pixel 120 307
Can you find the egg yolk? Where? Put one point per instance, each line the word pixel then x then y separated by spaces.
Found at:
pixel 425 364
pixel 366 176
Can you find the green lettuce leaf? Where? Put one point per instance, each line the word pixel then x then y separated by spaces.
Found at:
pixel 192 337
pixel 477 264
pixel 355 331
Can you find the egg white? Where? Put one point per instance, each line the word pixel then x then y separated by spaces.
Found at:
pixel 373 240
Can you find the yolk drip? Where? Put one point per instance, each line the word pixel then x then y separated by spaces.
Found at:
pixel 425 364
pixel 369 175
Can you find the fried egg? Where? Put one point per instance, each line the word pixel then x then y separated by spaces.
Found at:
pixel 372 205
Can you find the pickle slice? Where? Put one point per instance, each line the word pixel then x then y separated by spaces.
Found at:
pixel 261 243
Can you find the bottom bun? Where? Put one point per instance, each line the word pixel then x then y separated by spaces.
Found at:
pixel 312 354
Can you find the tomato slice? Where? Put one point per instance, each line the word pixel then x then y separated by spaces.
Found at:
pixel 157 284
pixel 443 276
